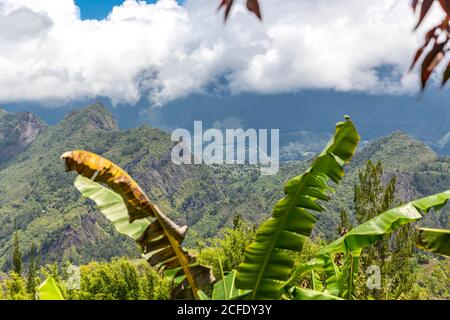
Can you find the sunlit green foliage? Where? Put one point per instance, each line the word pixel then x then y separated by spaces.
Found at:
pixel 433 281
pixel 120 280
pixel 227 249
pixel 49 290
pixel 15 288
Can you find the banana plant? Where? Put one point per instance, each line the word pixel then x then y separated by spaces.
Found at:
pixel 225 289
pixel 267 264
pixel 434 240
pixel 364 235
pixel 267 271
pixel 49 290
pixel 309 294
pixel 126 205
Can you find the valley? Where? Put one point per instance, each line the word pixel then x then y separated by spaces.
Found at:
pixel 37 195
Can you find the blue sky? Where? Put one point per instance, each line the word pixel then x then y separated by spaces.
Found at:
pixel 98 9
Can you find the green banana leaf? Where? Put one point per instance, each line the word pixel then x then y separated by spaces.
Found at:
pixel 49 290
pixel 203 296
pixel 267 266
pixel 112 206
pixel 434 240
pixel 333 275
pixel 373 230
pixel 308 294
pixel 316 282
pixel 347 281
pixel 158 238
pixel 225 289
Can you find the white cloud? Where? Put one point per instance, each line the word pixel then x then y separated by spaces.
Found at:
pixel 13 28
pixel 168 51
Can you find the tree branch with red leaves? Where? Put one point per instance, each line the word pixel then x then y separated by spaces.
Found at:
pixel 252 6
pixel 435 46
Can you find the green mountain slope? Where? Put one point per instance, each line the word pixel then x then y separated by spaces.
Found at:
pixel 37 193
pixel 17 131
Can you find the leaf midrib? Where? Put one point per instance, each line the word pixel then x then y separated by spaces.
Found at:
pixel 275 238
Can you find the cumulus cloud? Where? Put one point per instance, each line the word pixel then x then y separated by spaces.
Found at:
pixel 165 51
pixel 22 24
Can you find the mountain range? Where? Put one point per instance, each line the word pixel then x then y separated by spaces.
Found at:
pixel 300 116
pixel 39 198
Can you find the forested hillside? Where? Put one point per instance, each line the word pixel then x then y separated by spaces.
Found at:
pixel 37 195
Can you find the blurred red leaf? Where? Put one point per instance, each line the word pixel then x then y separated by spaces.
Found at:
pixel 438 52
pixel 445 4
pixel 416 58
pixel 446 75
pixel 253 6
pixel 432 59
pixel 431 34
pixel 228 4
pixel 426 5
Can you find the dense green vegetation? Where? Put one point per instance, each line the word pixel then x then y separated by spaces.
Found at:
pixel 392 254
pixel 119 279
pixel 50 215
pixel 130 279
pixel 48 210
